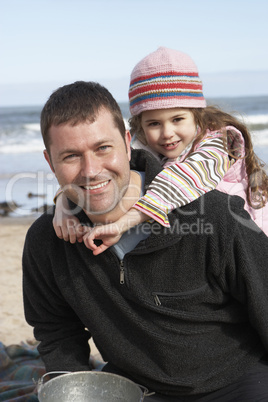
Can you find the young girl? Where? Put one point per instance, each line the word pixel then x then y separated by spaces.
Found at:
pixel 200 147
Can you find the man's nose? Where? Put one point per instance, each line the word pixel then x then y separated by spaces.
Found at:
pixel 91 166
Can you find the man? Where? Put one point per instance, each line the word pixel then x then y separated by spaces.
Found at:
pixel 182 311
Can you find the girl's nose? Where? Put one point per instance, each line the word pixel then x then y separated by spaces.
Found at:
pixel 166 131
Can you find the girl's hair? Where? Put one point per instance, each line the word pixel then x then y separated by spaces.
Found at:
pixel 213 118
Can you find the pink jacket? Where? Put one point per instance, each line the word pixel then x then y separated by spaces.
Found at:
pixel 235 181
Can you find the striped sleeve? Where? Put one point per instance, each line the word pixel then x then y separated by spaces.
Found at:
pixel 182 182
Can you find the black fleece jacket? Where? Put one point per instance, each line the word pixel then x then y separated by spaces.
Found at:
pixel 190 315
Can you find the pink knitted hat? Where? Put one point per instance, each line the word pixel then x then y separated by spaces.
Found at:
pixel 165 79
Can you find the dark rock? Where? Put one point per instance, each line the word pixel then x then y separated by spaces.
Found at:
pixel 32 195
pixel 7 207
pixel 42 209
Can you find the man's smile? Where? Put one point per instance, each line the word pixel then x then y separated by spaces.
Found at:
pixel 96 186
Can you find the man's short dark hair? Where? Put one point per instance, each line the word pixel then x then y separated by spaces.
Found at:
pixel 76 103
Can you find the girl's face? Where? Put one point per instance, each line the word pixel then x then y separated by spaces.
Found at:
pixel 168 131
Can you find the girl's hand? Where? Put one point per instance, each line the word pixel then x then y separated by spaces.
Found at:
pixel 66 225
pixel 112 232
pixel 109 234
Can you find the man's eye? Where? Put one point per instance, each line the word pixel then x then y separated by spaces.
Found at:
pixel 103 147
pixel 70 156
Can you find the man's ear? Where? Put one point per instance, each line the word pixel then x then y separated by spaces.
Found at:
pixel 128 141
pixel 47 158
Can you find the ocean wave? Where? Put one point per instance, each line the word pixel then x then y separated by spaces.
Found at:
pixel 255 119
pixel 32 126
pixel 260 137
pixel 14 147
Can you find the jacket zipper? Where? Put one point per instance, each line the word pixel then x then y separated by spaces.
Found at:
pixel 157 300
pixel 122 273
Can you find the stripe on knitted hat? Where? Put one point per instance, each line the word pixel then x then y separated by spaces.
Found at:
pixel 157 95
pixel 163 75
pixel 167 84
pixel 160 87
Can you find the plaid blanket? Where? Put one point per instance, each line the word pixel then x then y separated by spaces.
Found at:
pixel 20 369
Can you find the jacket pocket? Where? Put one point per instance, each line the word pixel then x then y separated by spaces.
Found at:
pixel 180 299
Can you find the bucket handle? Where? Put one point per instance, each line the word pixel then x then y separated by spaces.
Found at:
pixel 41 380
pixel 145 390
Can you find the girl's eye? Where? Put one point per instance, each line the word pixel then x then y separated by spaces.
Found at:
pixel 153 123
pixel 177 119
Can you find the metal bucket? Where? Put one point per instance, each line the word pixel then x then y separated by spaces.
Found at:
pixel 89 386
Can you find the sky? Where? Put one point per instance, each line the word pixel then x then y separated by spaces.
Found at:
pixel 48 43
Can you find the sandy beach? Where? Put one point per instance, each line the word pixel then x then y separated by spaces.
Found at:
pixel 13 327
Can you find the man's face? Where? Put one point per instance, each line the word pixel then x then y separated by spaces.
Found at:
pixel 91 162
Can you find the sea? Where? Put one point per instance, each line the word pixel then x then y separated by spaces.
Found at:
pixel 26 181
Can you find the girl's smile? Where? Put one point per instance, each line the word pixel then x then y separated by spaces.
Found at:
pixel 171 146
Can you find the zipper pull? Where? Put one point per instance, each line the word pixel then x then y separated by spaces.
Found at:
pixel 122 273
pixel 157 300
